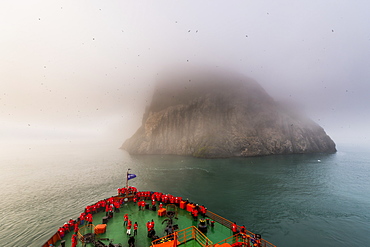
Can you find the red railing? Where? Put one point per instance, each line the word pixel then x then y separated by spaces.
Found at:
pixel 227 223
pixel 184 235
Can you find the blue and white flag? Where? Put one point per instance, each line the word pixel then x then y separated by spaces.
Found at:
pixel 130 176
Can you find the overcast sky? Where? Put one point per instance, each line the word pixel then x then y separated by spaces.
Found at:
pixel 86 69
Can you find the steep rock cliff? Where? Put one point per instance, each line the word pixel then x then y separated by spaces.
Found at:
pixel 212 115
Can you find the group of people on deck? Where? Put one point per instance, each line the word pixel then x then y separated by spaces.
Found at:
pixel 255 239
pixel 114 203
pixel 157 197
pixel 71 225
pixel 126 190
pixel 128 223
pixel 108 205
pixel 198 209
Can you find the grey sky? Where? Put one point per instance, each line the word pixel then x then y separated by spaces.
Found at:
pixel 78 69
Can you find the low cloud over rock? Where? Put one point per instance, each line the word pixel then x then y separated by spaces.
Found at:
pixel 212 114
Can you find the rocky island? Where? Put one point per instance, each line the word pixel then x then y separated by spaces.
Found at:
pixel 210 114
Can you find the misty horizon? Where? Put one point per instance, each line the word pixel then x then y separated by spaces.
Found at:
pixel 72 71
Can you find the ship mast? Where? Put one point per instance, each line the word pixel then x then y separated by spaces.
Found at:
pixel 127 178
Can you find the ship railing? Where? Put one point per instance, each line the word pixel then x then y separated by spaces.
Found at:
pixel 86 233
pixel 195 234
pixel 228 223
pixel 55 238
pixel 230 240
pixel 240 240
pixel 185 235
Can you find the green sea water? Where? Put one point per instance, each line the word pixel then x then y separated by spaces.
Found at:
pixel 291 200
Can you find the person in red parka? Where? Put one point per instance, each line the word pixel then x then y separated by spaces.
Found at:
pixel 195 212
pixel 89 219
pixel 106 209
pixel 135 228
pixel 61 232
pixel 129 224
pixel 125 219
pixel 150 225
pixel 74 240
pixel 116 205
pixel 76 228
pixel 234 228
pixel 82 218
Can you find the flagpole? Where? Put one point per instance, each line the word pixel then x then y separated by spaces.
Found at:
pixel 127 178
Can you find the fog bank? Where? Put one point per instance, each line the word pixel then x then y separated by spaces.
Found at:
pixel 86 70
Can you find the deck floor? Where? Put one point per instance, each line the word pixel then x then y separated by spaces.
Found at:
pixel 116 232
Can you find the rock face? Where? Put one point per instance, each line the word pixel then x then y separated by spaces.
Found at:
pixel 213 115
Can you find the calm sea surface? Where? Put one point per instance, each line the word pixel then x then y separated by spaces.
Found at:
pixel 291 200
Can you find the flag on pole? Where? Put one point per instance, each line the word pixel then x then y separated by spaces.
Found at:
pixel 130 176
